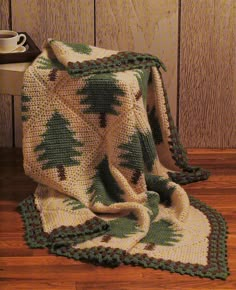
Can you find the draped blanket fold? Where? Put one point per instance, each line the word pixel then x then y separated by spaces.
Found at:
pixel 100 141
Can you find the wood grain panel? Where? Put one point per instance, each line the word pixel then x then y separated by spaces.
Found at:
pixel 6 121
pixel 30 16
pixel 44 19
pixel 71 21
pixel 4 14
pixel 5 101
pixel 59 19
pixel 143 26
pixel 207 107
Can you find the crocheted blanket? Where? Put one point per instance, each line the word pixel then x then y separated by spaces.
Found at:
pixel 99 139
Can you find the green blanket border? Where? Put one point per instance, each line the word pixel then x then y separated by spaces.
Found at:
pixel 61 240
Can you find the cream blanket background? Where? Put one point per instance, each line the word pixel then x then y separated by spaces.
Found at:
pixel 99 139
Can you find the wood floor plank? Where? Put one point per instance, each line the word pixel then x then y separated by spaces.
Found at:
pixel 39 285
pixel 124 274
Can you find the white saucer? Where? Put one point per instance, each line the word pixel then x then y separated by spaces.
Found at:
pixel 18 49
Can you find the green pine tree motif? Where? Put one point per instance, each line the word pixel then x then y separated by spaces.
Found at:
pixel 58 145
pixel 74 203
pixel 101 92
pixel 142 77
pixel 24 107
pixel 79 47
pixel 148 149
pixel 152 203
pixel 132 158
pixel 121 228
pixel 160 185
pixel 104 187
pixel 53 64
pixel 160 233
pixel 155 126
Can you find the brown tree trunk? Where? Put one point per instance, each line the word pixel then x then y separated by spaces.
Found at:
pixel 106 238
pixel 149 247
pixel 53 74
pixel 103 120
pixel 61 172
pixel 136 175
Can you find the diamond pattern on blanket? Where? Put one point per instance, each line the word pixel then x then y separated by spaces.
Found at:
pixel 100 141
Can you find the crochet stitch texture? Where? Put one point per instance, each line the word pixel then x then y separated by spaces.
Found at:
pixel 99 138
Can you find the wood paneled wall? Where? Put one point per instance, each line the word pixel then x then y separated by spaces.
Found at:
pixel 6 128
pixel 195 39
pixel 149 26
pixel 207 104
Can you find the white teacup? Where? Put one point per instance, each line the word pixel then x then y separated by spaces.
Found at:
pixel 9 40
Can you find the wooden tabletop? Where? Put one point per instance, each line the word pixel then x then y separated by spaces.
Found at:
pixel 24 268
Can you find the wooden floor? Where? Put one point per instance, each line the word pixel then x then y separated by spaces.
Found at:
pixel 24 268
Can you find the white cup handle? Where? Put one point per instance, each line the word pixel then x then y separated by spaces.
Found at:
pixel 23 41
